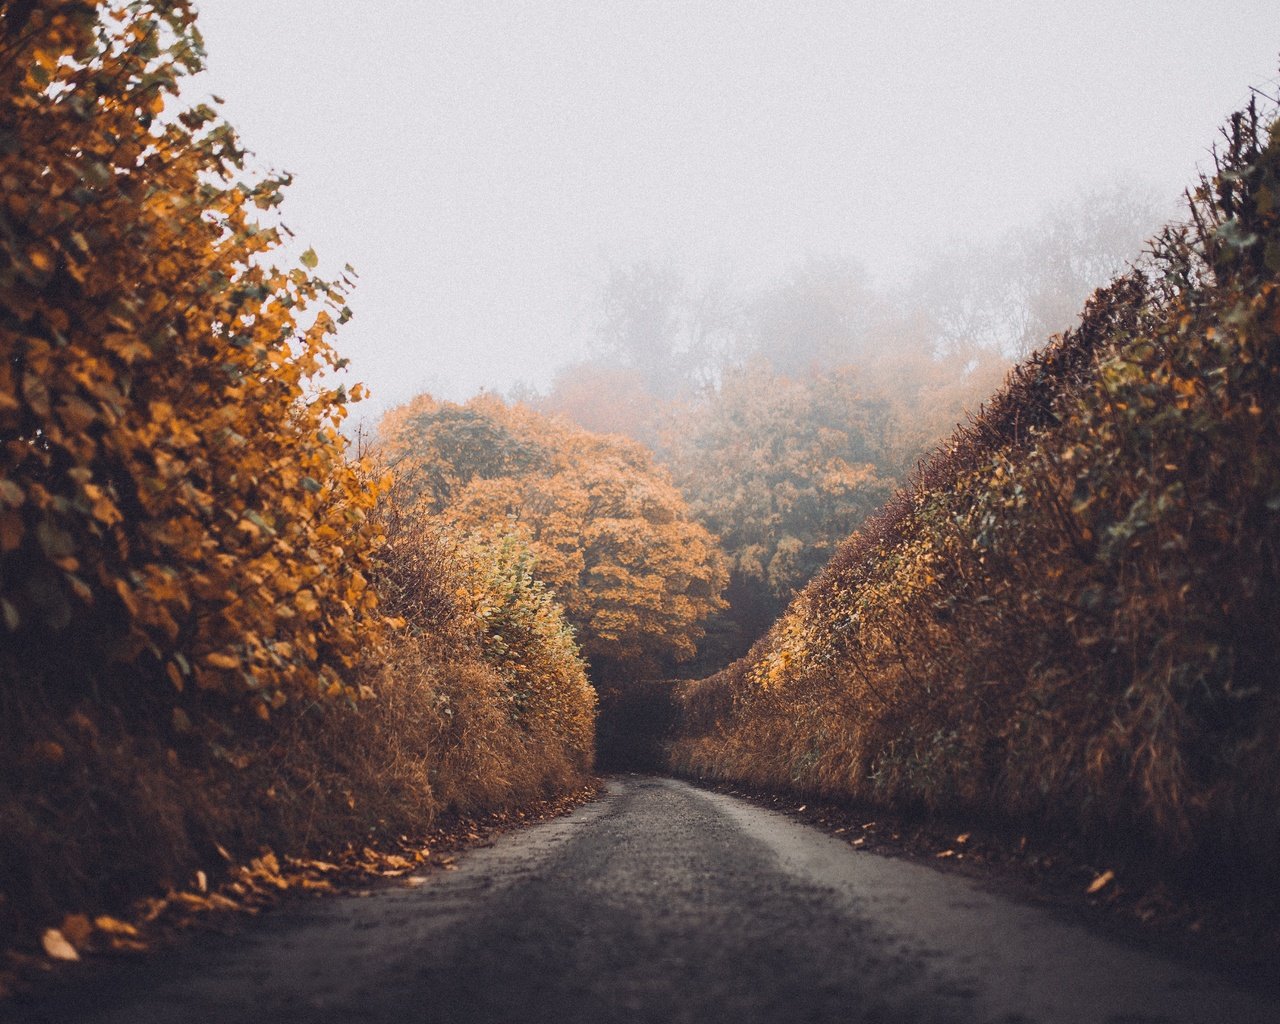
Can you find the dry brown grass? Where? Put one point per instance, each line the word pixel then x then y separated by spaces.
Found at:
pixel 1071 618
pixel 104 804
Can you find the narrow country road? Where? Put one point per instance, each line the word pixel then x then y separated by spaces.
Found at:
pixel 661 903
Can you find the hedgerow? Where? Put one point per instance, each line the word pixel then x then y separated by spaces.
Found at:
pixel 176 496
pixel 214 634
pixel 1072 616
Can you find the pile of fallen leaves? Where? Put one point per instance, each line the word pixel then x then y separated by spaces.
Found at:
pixel 261 883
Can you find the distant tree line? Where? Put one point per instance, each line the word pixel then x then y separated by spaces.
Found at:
pixel 787 414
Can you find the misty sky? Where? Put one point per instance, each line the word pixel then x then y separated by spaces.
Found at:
pixel 480 163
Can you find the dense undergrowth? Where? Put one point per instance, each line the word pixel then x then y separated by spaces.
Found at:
pixel 1072 616
pixel 218 631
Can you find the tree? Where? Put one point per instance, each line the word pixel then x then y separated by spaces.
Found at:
pixel 1073 250
pixel 671 331
pixel 1014 293
pixel 605 399
pixel 819 315
pixel 782 471
pixel 609 533
pixel 640 323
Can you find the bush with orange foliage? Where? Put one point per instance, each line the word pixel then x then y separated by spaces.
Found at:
pixel 194 657
pixel 176 495
pixel 476 605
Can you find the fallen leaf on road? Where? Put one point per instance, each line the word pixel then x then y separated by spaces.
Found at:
pixel 1101 882
pixel 945 853
pixel 112 926
pixel 192 901
pixel 56 945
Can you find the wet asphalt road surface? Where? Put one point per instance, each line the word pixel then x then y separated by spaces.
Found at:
pixel 659 903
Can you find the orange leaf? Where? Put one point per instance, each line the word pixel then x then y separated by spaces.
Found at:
pixel 114 926
pixel 56 945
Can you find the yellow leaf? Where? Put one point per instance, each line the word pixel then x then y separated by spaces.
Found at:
pixel 114 926
pixel 56 945
pixel 1101 882
pixel 191 901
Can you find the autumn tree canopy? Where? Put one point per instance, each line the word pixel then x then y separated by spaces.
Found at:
pixel 782 470
pixel 608 531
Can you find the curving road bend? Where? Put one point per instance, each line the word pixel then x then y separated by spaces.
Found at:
pixel 662 903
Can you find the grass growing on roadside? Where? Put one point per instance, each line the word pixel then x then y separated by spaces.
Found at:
pixel 1072 616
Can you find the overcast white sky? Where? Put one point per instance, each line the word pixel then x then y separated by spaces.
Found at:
pixel 479 162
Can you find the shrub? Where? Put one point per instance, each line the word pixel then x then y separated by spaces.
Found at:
pixel 194 575
pixel 175 500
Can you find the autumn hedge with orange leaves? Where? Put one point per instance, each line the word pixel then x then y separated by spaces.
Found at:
pixel 175 499
pixel 1072 616
pixel 207 632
